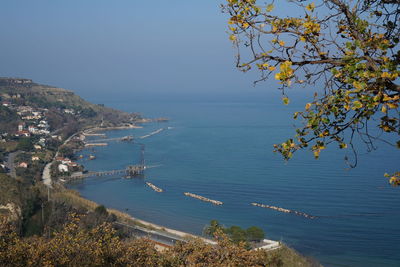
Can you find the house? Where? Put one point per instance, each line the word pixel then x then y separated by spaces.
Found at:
pixel 69 111
pixel 32 129
pixel 66 161
pixel 23 165
pixel 62 168
pixel 42 141
pixel 37 147
pixel 23 133
pixel 21 127
pixel 73 164
pixel 59 158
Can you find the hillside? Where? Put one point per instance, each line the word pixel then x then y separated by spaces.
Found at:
pixel 60 103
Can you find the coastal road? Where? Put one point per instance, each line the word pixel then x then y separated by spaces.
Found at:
pixel 160 237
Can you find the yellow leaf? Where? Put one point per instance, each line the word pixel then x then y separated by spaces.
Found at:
pixel 281 43
pixel 285 100
pixel 272 68
pixel 302 38
pixel 386 98
pixel 232 37
pixel 270 7
pixel 310 7
pixel 392 105
pixel 308 106
pixel 245 25
pixel 278 76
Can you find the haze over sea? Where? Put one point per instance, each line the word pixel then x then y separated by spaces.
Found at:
pixel 221 148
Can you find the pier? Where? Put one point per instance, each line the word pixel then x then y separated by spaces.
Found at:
pixel 95 144
pixel 215 202
pixel 124 139
pixel 129 172
pixel 155 188
pixel 94 134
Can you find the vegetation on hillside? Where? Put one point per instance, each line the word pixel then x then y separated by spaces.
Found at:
pixel 75 245
pixel 235 233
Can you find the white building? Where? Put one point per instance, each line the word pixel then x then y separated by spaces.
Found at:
pixel 62 168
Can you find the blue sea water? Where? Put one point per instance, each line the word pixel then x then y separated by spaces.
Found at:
pixel 223 150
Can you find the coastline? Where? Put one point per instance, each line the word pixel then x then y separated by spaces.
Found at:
pixel 76 199
pixel 90 204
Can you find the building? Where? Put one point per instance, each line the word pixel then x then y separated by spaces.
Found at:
pixel 62 168
pixel 37 147
pixel 32 129
pixel 23 165
pixel 21 127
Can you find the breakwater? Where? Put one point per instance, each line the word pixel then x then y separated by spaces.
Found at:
pixel 299 213
pixel 215 202
pixel 155 188
pixel 152 133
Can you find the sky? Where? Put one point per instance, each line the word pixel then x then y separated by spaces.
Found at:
pixel 91 46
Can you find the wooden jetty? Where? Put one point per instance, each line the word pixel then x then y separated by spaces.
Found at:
pixel 215 202
pixel 131 171
pixel 155 188
pixel 299 213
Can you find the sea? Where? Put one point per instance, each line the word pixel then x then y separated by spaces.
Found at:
pixel 222 148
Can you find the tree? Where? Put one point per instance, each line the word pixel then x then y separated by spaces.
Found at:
pixel 350 47
pixel 212 228
pixel 25 144
pixel 255 234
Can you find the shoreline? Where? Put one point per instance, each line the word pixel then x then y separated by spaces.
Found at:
pixel 120 214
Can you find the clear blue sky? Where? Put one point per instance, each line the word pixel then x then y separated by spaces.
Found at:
pixel 125 45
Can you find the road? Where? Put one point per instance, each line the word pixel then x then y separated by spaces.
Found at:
pixel 164 238
pixel 11 163
pixel 46 175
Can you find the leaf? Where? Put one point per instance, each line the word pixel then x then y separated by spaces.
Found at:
pixel 342 145
pixel 232 37
pixel 270 7
pixel 384 109
pixel 285 100
pixel 392 105
pixel 311 7
pixel 308 106
pixel 357 105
